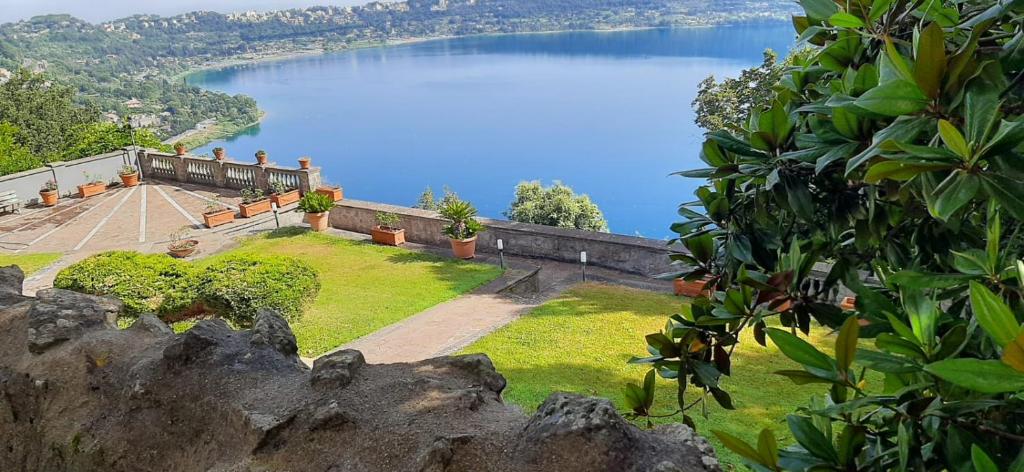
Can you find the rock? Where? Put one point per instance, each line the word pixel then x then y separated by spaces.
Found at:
pixel 197 342
pixel 272 330
pixel 60 315
pixel 329 416
pixel 12 279
pixel 337 369
pixel 152 325
pixel 218 399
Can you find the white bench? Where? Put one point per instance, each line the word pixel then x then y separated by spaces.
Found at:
pixel 9 202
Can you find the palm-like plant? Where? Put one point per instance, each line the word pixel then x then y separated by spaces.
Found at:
pixel 461 216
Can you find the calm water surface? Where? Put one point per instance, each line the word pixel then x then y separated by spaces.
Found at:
pixel 607 113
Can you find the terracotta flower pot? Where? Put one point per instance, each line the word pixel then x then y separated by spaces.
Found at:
pixel 130 180
pixel 305 162
pixel 334 192
pixel 249 210
pixel 318 221
pixel 49 198
pixel 184 249
pixel 464 248
pixel 286 198
pixel 692 289
pixel 219 217
pixel 388 237
pixel 88 190
pixel 849 303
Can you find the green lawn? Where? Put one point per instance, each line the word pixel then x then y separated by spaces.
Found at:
pixel 30 263
pixel 581 341
pixel 365 287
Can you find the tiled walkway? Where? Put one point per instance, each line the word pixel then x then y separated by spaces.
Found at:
pixel 138 218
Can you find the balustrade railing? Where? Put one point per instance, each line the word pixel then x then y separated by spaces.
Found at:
pixel 227 174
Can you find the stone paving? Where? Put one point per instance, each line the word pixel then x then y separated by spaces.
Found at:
pixel 140 218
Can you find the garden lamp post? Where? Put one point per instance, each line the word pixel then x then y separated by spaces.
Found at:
pixel 501 252
pixel 583 264
pixel 277 221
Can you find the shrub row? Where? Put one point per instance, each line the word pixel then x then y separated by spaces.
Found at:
pixel 234 287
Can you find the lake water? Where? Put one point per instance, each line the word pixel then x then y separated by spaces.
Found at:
pixel 607 113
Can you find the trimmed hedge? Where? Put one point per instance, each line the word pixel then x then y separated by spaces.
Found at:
pixel 233 287
pixel 237 286
pixel 146 283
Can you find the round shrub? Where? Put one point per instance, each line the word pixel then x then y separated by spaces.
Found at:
pixel 145 283
pixel 237 286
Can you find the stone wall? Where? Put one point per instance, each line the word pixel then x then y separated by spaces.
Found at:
pixel 69 175
pixel 226 173
pixel 625 253
pixel 79 394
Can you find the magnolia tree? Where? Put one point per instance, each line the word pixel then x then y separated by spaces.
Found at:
pixel 888 165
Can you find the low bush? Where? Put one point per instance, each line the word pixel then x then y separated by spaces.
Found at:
pixel 146 283
pixel 236 287
pixel 233 287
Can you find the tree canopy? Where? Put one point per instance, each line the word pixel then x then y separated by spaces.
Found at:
pixel 557 206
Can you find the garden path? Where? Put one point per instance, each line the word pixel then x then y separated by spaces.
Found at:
pixel 447 328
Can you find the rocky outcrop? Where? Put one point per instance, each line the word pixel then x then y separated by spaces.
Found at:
pixel 78 394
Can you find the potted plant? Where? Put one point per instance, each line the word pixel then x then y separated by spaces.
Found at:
pixel 254 202
pixel 129 175
pixel 49 194
pixel 283 195
pixel 331 190
pixel 462 226
pixel 304 162
pixel 181 246
pixel 317 207
pixel 218 153
pixel 261 157
pixel 692 288
pixel 94 185
pixel 387 232
pixel 217 214
pixel 180 149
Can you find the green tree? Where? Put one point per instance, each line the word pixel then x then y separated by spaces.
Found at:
pixel 99 138
pixel 889 165
pixel 14 157
pixel 44 112
pixel 727 105
pixel 556 205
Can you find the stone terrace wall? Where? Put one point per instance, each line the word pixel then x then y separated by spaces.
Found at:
pixel 69 175
pixel 626 253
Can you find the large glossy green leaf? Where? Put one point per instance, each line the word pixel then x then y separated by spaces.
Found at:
pixel 900 170
pixel 845 20
pixel 982 462
pixel 1007 191
pixel 819 9
pixel 953 193
pixel 954 140
pixel 985 376
pixel 846 343
pixel 738 446
pixel 894 98
pixel 800 351
pixel 993 315
pixel 894 65
pixel 930 65
pixel 811 438
pixel 904 129
pixel 981 113
pixel 1009 135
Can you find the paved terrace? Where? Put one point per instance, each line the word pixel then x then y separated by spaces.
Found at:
pixel 140 218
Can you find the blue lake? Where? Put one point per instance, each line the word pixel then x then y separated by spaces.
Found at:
pixel 607 113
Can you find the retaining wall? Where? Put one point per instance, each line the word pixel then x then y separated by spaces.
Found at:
pixel 68 175
pixel 625 253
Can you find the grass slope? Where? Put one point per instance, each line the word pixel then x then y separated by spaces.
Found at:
pixel 30 263
pixel 581 341
pixel 365 287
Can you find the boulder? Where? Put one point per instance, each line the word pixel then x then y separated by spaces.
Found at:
pixel 77 393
